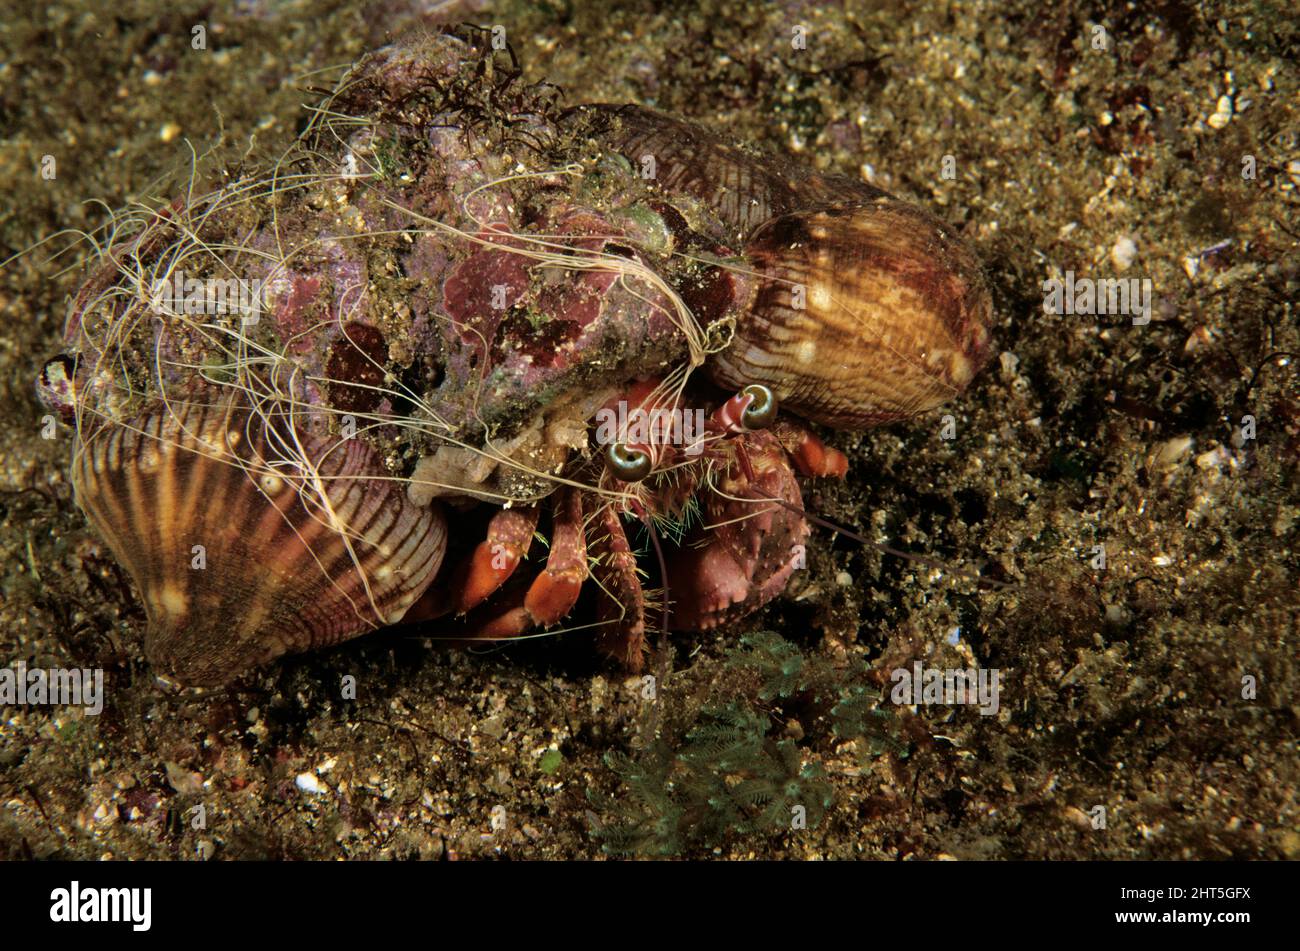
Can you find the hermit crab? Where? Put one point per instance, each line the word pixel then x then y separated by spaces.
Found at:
pixel 459 321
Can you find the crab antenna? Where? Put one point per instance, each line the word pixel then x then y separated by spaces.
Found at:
pixel 890 550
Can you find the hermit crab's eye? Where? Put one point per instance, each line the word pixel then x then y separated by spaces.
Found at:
pixel 761 411
pixel 627 464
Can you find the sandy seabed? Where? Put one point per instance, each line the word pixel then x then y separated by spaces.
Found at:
pixel 1085 141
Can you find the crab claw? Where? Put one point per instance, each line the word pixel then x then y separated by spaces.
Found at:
pixel 749 545
pixel 810 455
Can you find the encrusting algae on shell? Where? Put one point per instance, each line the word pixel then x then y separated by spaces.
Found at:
pixel 282 387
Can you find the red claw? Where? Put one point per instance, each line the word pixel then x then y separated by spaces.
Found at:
pixel 811 456
pixel 495 559
pixel 555 591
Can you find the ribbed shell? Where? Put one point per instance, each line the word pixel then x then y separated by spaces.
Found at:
pixel 864 314
pixel 279 575
pixel 740 186
pixel 866 309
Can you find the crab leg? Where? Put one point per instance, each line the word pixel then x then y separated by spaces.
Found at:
pixel 555 590
pixel 494 560
pixel 811 456
pixel 621 603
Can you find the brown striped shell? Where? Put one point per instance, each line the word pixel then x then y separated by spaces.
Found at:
pixel 864 314
pixel 865 309
pixel 736 183
pixel 241 557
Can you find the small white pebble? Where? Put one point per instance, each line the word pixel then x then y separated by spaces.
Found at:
pixel 169 131
pixel 1123 253
pixel 1162 561
pixel 350 167
pixel 1171 452
pixel 844 579
pixel 1222 113
pixel 309 784
pixel 1212 459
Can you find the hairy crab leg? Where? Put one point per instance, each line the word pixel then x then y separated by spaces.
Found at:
pixel 621 602
pixel 554 591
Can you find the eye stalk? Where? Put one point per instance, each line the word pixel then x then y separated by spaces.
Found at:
pixel 627 464
pixel 761 411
